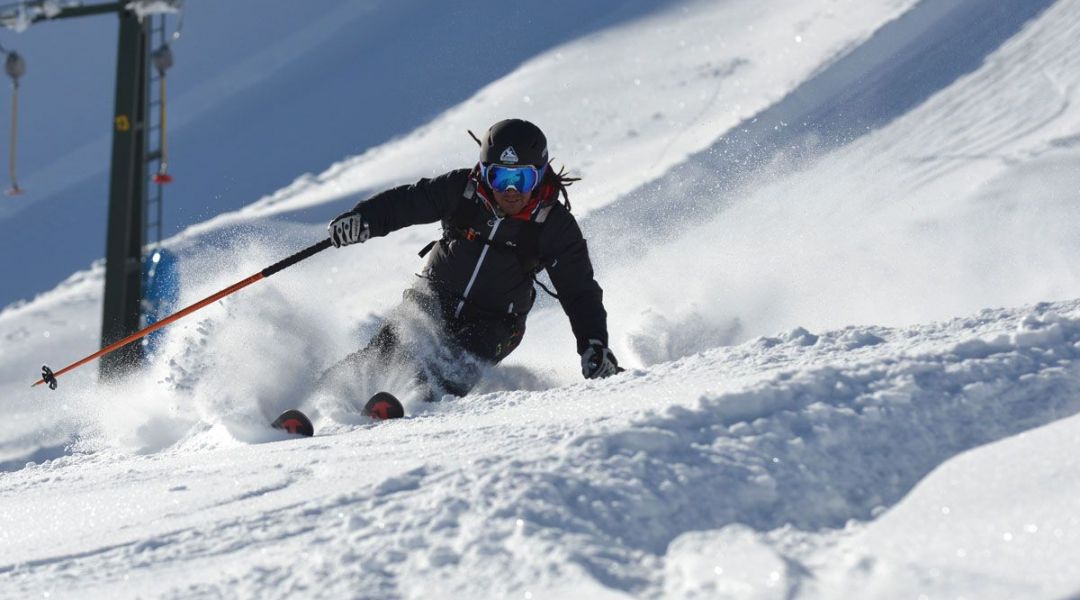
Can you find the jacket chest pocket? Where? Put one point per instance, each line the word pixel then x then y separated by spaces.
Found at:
pixel 521 240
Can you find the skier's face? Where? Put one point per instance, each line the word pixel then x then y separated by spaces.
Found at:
pixel 511 202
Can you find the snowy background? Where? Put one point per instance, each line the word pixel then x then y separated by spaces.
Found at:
pixel 839 245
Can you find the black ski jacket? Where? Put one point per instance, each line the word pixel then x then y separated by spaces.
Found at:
pixel 485 262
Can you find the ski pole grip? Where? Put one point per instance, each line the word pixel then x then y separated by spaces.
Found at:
pixel 295 258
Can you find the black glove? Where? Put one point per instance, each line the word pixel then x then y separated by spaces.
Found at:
pixel 349 228
pixel 598 362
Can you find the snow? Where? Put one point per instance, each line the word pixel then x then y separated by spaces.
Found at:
pixel 850 340
pixel 145 8
pixel 620 490
pixel 996 537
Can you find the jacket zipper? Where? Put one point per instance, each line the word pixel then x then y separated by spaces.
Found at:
pixel 476 271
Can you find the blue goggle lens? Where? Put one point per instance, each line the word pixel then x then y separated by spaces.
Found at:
pixel 502 178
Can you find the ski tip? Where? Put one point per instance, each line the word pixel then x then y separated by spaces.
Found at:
pixel 384 405
pixel 295 422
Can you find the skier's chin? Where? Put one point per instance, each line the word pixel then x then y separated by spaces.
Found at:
pixel 511 202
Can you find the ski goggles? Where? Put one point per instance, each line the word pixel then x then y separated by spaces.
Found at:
pixel 503 178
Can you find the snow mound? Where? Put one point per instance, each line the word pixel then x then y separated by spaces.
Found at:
pixel 588 487
pixel 610 503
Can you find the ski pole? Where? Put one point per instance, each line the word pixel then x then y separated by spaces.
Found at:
pixel 47 376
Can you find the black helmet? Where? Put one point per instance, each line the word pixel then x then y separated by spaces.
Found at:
pixel 514 142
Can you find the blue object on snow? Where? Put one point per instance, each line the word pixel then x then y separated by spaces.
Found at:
pixel 161 291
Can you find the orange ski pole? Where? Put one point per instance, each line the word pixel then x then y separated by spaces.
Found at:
pixel 47 376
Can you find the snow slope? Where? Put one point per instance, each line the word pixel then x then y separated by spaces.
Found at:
pixel 878 446
pixel 687 478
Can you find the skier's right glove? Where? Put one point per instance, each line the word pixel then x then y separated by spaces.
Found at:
pixel 597 362
pixel 349 228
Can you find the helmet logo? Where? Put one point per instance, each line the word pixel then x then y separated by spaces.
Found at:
pixel 508 155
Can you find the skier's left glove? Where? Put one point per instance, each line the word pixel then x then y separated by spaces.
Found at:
pixel 349 228
pixel 598 362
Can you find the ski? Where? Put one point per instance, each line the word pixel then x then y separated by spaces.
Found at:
pixel 384 405
pixel 295 422
pixel 380 407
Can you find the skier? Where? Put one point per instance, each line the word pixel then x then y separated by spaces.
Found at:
pixel 502 223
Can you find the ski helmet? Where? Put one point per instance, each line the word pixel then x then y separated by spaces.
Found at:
pixel 514 142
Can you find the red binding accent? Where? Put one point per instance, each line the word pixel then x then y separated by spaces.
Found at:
pixel 291 425
pixel 381 410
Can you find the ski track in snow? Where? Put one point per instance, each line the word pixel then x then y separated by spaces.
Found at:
pixel 894 71
pixel 908 216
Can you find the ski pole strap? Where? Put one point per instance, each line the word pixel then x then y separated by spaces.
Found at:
pixel 295 258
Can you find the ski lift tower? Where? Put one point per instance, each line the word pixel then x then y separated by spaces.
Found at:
pixel 126 233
